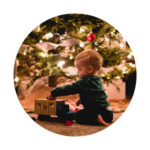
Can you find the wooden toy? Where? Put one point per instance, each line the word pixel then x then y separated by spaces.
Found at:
pixel 52 108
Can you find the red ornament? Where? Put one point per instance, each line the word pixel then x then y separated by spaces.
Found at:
pixel 90 37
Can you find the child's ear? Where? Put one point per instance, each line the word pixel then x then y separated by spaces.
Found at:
pixel 90 69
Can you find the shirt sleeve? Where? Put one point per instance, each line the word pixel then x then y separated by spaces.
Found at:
pixel 68 89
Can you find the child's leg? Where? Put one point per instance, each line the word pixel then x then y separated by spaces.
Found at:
pixel 86 117
pixel 101 121
pixel 81 117
pixel 105 116
pixel 91 116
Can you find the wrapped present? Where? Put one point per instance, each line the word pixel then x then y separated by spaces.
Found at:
pixel 49 107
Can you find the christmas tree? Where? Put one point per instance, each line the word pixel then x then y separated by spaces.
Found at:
pixel 54 44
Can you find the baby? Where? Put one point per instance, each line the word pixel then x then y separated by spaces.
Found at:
pixel 97 109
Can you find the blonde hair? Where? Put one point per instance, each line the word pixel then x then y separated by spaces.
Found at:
pixel 90 57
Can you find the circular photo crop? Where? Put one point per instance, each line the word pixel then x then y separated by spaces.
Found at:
pixel 74 74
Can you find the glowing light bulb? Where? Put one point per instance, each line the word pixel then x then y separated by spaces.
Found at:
pixel 96 43
pixel 43 54
pixel 24 53
pixel 17 62
pixel 81 44
pixel 132 65
pixel 103 75
pixel 48 35
pixel 124 71
pixel 61 63
pixel 118 77
pixel 71 57
pixel 111 33
pixel 37 29
pixel 106 39
pixel 121 45
pixel 16 79
pixel 82 30
pixel 61 38
pixel 130 55
pixel 41 41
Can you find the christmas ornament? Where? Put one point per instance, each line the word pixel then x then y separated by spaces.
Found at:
pixel 90 37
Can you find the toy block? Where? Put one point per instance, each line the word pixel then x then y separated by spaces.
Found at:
pixel 66 115
pixel 49 107
pixel 68 123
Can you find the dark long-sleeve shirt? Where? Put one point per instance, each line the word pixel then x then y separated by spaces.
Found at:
pixel 89 88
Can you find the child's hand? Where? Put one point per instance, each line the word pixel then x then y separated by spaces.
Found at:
pixel 77 102
pixel 50 97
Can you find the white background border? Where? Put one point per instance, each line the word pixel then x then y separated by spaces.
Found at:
pixel 18 18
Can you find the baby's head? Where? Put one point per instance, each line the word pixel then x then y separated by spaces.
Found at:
pixel 88 62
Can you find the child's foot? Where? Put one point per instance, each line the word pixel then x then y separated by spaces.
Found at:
pixel 101 121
